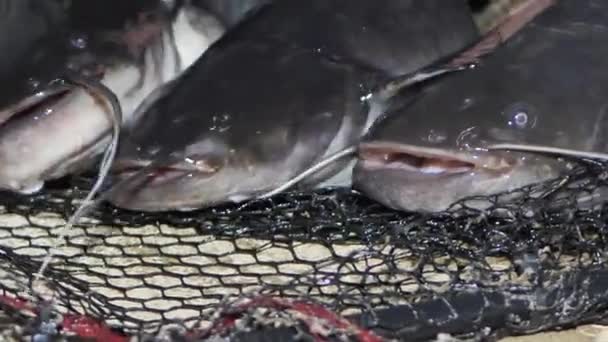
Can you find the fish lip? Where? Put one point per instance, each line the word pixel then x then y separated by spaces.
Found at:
pixel 49 97
pixel 138 186
pixel 430 161
pixel 131 170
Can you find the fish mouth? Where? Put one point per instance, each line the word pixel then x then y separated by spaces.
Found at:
pixel 431 162
pixel 42 103
pixel 156 186
pixel 149 173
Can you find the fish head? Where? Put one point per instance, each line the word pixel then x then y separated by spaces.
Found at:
pixel 226 161
pixel 429 166
pixel 50 127
pixel 438 148
pixel 435 152
pixel 197 176
pixel 226 132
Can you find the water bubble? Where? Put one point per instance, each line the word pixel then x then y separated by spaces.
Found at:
pixel 178 119
pixel 153 150
pixel 436 136
pixel 467 138
pixel 466 103
pixel 79 41
pixel 220 123
pixel 33 83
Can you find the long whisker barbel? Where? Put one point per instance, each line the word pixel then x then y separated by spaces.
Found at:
pixel 96 88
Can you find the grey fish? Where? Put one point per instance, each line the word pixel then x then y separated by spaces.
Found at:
pixel 544 91
pixel 396 37
pixel 231 12
pixel 26 47
pixel 55 131
pixel 264 103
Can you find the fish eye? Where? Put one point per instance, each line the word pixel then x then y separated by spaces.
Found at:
pixel 520 116
pixel 520 119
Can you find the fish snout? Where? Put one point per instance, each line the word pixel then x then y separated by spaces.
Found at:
pixel 414 178
pixel 163 186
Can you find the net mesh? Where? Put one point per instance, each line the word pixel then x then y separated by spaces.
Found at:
pixel 320 265
pixel 328 263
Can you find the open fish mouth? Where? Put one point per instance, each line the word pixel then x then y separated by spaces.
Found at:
pixel 41 103
pixel 157 173
pixel 430 161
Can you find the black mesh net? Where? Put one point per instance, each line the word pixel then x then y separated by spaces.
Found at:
pixel 323 265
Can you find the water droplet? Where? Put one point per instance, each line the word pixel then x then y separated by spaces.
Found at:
pixel 436 136
pixel 153 150
pixel 79 41
pixel 33 83
pixel 467 138
pixel 220 123
pixel 466 103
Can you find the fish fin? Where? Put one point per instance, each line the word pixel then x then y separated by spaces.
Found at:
pixel 89 203
pixel 549 150
pixel 395 85
pixel 310 171
pixel 514 21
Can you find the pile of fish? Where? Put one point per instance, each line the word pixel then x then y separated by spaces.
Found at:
pixel 231 100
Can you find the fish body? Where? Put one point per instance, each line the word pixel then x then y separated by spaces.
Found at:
pixel 128 49
pixel 279 92
pixel 395 37
pixel 545 86
pixel 26 47
pixel 230 12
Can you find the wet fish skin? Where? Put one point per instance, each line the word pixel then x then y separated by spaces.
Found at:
pixel 231 12
pixel 545 86
pixel 24 49
pixel 232 148
pixel 369 33
pixel 256 109
pixel 78 124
